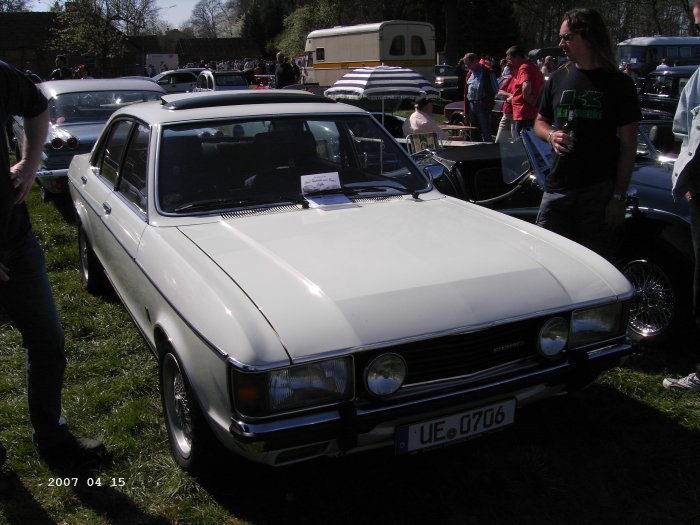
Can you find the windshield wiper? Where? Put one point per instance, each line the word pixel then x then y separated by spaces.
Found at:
pixel 212 203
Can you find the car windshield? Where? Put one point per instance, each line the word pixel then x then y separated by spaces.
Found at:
pixel 231 80
pixel 209 167
pixel 94 106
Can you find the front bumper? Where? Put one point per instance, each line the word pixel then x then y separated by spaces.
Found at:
pixel 352 427
pixel 54 181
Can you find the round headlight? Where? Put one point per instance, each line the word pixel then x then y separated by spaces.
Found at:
pixel 554 337
pixel 57 143
pixel 385 374
pixel 72 142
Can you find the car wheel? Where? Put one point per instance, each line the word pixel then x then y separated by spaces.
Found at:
pixel 192 444
pixel 92 274
pixel 656 306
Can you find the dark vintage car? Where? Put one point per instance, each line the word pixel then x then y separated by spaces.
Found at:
pixel 78 110
pixel 657 253
pixel 661 89
pixel 446 81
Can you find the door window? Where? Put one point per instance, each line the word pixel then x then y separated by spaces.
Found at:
pixel 133 184
pixel 111 153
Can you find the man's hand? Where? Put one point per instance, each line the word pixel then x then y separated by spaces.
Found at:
pixel 22 178
pixel 615 212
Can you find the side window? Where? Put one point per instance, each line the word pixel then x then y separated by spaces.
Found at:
pixel 671 52
pixel 133 184
pixel 320 54
pixel 398 46
pixel 417 45
pixel 111 154
pixel 210 82
pixel 202 82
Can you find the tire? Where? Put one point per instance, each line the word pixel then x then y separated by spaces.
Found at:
pixel 657 306
pixel 192 443
pixel 92 274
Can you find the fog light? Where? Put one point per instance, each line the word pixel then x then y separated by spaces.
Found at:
pixel 385 374
pixel 554 337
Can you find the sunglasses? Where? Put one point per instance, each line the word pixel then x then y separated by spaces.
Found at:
pixel 566 37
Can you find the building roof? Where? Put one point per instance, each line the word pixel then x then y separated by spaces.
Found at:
pixel 209 48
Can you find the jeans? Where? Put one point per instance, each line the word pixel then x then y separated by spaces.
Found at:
pixel 579 215
pixel 506 129
pixel 695 234
pixel 29 303
pixel 480 117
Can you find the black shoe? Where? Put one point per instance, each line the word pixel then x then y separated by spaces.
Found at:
pixel 75 452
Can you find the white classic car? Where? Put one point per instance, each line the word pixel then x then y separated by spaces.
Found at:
pixel 308 292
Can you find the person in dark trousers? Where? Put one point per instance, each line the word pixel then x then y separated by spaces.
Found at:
pixel 25 292
pixel 284 74
pixel 686 185
pixel 586 190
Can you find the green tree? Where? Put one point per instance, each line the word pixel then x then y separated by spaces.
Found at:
pixel 85 29
pixel 8 6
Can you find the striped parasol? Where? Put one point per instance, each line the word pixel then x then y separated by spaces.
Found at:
pixel 382 82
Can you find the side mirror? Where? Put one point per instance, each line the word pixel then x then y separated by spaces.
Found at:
pixel 434 171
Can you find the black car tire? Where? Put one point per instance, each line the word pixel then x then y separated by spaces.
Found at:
pixel 92 274
pixel 192 443
pixel 661 301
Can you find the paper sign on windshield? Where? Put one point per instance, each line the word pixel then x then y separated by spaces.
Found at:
pixel 313 185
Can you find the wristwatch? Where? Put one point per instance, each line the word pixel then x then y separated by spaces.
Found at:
pixel 619 197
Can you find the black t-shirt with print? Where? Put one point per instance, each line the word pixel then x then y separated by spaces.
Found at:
pixel 18 96
pixel 602 100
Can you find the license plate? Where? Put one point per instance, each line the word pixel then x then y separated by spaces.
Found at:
pixel 454 428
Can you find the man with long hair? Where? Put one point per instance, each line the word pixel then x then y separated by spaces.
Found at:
pixel 686 185
pixel 586 189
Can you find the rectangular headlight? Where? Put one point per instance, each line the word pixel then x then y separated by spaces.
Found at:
pixel 260 394
pixel 591 325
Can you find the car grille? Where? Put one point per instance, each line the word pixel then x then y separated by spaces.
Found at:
pixel 454 356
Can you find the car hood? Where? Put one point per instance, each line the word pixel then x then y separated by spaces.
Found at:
pixel 369 275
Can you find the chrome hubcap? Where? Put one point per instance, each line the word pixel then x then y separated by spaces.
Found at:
pixel 653 306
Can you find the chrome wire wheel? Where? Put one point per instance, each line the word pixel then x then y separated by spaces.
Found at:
pixel 654 304
pixel 178 405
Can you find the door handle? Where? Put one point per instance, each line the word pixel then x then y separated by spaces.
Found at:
pixel 107 208
pixel 83 178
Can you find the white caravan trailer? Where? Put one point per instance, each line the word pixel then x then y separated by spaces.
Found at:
pixel 330 53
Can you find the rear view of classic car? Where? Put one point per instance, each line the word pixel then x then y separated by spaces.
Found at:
pixel 308 292
pixel 79 110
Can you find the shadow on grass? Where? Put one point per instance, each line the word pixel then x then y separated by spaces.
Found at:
pixel 19 506
pixel 17 503
pixel 594 457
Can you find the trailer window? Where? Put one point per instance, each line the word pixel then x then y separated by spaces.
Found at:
pixel 398 46
pixel 320 54
pixel 417 45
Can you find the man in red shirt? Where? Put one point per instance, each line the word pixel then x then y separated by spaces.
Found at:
pixel 527 84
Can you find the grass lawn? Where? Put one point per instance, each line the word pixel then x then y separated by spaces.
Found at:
pixel 622 451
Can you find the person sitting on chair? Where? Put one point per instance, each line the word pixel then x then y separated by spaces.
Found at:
pixel 421 120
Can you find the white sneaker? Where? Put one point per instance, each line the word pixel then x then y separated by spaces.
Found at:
pixel 689 382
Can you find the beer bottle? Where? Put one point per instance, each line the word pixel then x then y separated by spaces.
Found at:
pixel 569 126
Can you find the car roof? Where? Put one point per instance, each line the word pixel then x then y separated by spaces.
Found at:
pixel 224 104
pixel 675 70
pixel 52 88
